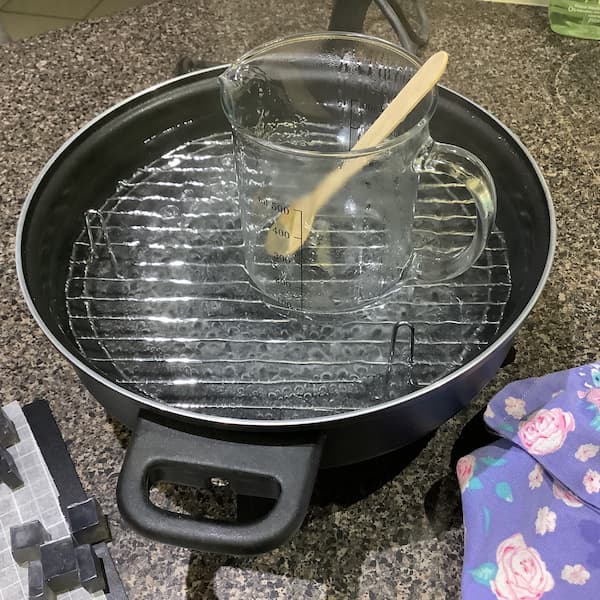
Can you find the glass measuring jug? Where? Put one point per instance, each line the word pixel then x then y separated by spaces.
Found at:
pixel 297 106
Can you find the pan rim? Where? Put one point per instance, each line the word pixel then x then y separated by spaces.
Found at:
pixel 272 424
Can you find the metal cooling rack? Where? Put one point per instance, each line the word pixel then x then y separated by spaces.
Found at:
pixel 159 301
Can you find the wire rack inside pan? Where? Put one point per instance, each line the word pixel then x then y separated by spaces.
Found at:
pixel 159 301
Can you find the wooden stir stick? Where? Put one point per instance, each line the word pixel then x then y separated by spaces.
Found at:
pixel 283 237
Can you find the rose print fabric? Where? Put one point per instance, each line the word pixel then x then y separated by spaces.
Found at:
pixel 531 501
pixel 526 536
pixel 559 425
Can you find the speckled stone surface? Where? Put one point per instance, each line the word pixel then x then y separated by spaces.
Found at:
pixel 403 540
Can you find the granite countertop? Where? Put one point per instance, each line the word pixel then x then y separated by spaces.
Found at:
pixel 405 539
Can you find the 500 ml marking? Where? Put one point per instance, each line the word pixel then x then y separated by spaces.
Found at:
pixel 274 206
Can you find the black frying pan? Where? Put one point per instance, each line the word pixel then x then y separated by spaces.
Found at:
pixel 269 458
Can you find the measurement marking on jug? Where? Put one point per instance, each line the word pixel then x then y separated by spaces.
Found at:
pixel 273 205
pixel 350 136
pixel 299 237
pixel 284 233
pixel 280 258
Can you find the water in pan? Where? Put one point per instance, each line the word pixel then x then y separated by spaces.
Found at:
pixel 159 301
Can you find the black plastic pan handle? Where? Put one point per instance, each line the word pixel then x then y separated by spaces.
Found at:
pixel 283 471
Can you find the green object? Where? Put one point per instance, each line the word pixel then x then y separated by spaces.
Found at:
pixel 484 573
pixel 504 491
pixel 577 18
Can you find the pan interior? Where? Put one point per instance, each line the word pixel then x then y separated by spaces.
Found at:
pixel 158 300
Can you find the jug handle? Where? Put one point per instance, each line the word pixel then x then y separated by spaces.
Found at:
pixel 466 169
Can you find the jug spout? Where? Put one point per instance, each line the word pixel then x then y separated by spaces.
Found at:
pixel 242 87
pixel 230 82
pixel 230 78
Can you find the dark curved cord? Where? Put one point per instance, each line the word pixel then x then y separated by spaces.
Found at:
pixel 394 13
pixel 420 37
pixel 391 15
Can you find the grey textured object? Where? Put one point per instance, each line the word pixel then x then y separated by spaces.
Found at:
pixel 37 587
pixel 25 541
pixel 91 572
pixel 37 499
pixel 413 570
pixel 8 431
pixel 60 565
pixel 88 523
pixel 234 583
pixel 9 474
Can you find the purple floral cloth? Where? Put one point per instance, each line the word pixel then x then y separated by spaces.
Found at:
pixel 531 501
